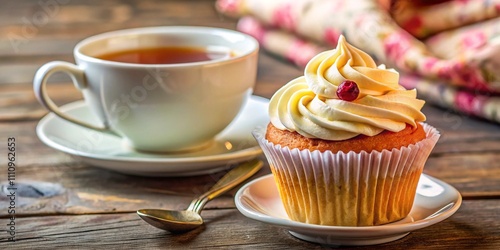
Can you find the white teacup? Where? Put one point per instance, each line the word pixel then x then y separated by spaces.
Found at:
pixel 159 107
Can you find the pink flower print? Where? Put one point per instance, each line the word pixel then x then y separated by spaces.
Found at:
pixel 228 6
pixel 463 2
pixel 468 103
pixel 283 17
pixel 443 71
pixel 409 82
pixel 331 36
pixel 299 53
pixel 469 77
pixel 396 45
pixel 474 39
pixel 430 63
pixel 338 6
pixel 252 27
pixel 413 25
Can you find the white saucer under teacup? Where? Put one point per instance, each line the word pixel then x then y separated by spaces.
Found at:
pixel 234 144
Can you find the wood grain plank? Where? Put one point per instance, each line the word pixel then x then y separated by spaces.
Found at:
pixel 93 190
pixel 38 28
pixel 18 102
pixel 85 189
pixel 473 173
pixel 228 229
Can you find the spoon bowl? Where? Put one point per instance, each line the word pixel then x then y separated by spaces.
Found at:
pixel 171 220
pixel 181 221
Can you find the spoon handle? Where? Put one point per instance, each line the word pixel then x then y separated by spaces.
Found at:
pixel 226 183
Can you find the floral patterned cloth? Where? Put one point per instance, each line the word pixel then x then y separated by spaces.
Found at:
pixel 424 20
pixel 456 66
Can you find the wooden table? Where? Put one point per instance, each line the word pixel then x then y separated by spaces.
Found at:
pixel 67 204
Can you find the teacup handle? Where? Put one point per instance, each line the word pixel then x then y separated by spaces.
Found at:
pixel 77 76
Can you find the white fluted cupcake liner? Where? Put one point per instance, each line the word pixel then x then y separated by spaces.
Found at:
pixel 348 189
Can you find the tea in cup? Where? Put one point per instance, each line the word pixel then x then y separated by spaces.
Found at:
pixel 161 89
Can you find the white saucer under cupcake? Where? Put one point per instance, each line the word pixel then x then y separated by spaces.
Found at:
pixel 435 201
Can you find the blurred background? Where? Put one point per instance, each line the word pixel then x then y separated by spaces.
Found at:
pixel 449 50
pixel 35 32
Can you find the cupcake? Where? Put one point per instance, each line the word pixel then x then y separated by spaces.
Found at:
pixel 346 143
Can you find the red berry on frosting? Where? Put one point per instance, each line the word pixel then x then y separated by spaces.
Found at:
pixel 348 91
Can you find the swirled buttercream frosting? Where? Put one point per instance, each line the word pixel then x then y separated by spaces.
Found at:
pixel 310 105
